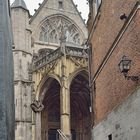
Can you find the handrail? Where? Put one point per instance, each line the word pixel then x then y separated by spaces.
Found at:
pixel 61 133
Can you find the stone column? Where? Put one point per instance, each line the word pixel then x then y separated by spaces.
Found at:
pixel 38 126
pixel 64 93
pixel 7 111
pixel 37 107
pixel 65 101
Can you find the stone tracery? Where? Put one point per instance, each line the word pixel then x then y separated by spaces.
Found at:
pixel 52 27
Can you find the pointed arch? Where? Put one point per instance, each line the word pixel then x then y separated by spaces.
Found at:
pixel 40 92
pixel 80 102
pixel 84 71
pixel 54 22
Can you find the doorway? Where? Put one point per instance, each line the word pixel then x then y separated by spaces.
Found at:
pixel 80 107
pixel 53 134
pixel 50 116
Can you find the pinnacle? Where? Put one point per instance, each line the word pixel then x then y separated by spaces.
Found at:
pixel 19 3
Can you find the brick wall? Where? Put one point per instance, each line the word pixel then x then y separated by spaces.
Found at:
pixel 122 123
pixel 111 86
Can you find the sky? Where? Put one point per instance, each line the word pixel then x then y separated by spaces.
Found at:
pixel 82 6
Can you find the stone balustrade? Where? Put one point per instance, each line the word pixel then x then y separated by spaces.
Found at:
pixel 40 61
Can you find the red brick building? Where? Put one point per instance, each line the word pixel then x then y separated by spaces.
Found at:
pixel 114 31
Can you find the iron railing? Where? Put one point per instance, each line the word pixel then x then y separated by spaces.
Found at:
pixel 61 133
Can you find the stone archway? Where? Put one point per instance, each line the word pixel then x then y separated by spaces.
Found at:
pixel 50 116
pixel 80 107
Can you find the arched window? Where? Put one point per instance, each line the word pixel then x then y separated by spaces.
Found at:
pixel 60 4
pixel 53 36
pixel 51 31
pixel 46 37
pixel 41 36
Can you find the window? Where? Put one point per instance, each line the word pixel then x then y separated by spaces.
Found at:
pixel 110 137
pixel 60 5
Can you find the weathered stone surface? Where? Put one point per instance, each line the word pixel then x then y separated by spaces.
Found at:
pixel 6 75
pixel 32 41
pixel 123 123
pixel 22 61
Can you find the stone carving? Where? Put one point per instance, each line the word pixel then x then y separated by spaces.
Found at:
pixel 37 106
pixel 50 57
pixel 51 31
pixel 77 52
pixel 42 60
pixel 44 51
pixel 79 62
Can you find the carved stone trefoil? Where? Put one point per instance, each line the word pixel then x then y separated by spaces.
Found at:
pixel 37 106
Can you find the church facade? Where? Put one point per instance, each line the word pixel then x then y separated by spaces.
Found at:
pixel 52 94
pixel 71 84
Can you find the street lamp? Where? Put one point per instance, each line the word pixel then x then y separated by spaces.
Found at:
pixel 124 66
